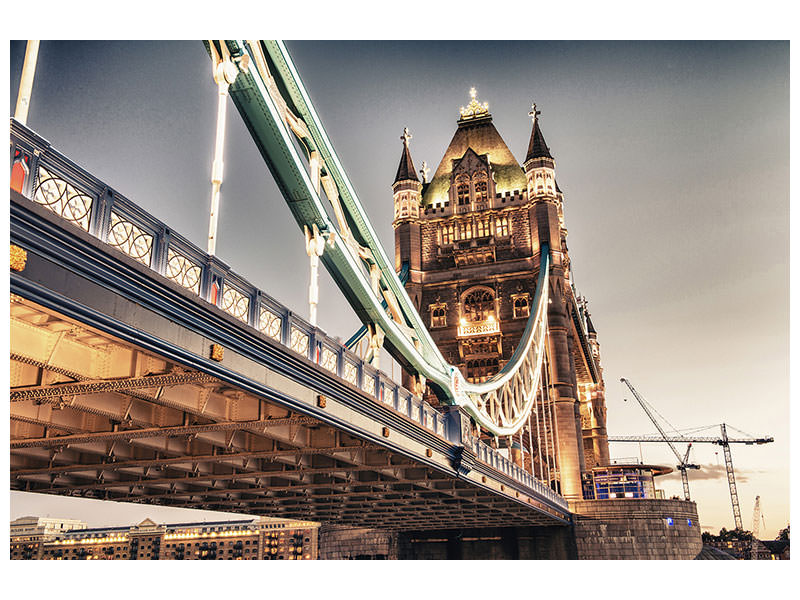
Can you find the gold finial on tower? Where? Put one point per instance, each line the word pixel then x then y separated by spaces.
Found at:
pixel 474 108
pixel 406 136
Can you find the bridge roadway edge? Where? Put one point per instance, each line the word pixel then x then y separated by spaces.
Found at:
pixel 46 237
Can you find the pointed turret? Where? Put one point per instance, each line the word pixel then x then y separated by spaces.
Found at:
pixel 537 147
pixel 406 170
pixel 540 168
pixel 406 187
pixel 590 326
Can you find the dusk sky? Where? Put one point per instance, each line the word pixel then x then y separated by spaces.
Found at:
pixel 674 162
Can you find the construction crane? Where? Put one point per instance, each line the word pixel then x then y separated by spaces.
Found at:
pixel 683 463
pixel 758 518
pixel 723 441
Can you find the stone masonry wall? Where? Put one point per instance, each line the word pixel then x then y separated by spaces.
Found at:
pixel 635 529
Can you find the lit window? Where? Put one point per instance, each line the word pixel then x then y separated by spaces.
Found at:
pixel 501 226
pixel 479 304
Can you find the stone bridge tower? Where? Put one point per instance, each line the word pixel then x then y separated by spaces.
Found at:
pixel 471 239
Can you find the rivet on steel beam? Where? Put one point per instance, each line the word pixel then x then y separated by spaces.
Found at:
pixel 217 352
pixel 18 258
pixel 321 401
pixel 428 452
pixel 386 432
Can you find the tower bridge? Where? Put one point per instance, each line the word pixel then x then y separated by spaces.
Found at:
pixel 132 384
pixel 145 369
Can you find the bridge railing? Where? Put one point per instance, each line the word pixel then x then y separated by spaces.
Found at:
pixel 48 178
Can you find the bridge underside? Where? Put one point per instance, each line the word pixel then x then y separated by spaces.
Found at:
pixel 95 417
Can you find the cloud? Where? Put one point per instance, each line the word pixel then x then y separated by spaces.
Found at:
pixel 711 472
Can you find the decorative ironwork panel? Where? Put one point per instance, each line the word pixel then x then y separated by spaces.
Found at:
pixel 328 360
pixel 63 199
pixel 351 373
pixel 235 303
pixel 270 324
pixel 299 341
pixel 183 271
pixel 130 239
pixel 369 384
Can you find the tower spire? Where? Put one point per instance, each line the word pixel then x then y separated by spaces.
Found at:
pixel 537 148
pixel 406 170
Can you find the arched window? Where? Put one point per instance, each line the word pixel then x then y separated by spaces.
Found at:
pixel 447 233
pixel 501 226
pixel 522 307
pixel 478 371
pixel 438 316
pixel 481 187
pixel 479 305
pixel 462 190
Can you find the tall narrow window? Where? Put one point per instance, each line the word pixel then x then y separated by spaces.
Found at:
pixel 462 190
pixel 481 188
pixel 501 226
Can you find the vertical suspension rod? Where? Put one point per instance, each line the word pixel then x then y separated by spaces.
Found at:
pixel 547 416
pixel 26 81
pixel 553 421
pixel 224 74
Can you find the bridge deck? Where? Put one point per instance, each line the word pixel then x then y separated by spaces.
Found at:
pixel 115 393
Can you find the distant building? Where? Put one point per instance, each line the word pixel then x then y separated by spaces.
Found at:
pixel 250 539
pixel 778 549
pixel 633 480
pixel 744 549
pixel 28 533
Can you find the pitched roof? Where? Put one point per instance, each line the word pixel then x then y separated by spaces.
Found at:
pixel 537 148
pixel 711 553
pixel 480 135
